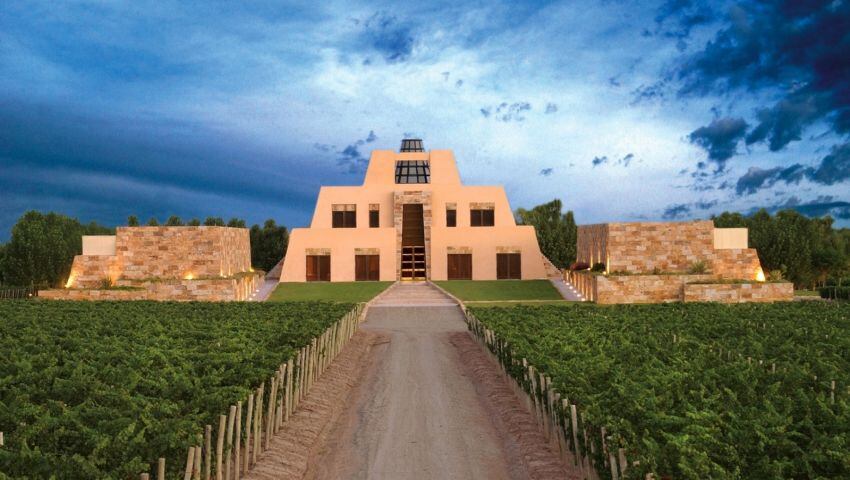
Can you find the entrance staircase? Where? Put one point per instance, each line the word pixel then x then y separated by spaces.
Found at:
pixel 556 276
pixel 413 294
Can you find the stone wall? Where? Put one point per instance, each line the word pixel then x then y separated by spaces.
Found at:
pixel 206 290
pixel 613 289
pixel 735 264
pixel 668 247
pixel 90 271
pixel 739 292
pixel 177 252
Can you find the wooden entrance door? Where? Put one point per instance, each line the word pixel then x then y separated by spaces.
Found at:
pixel 412 242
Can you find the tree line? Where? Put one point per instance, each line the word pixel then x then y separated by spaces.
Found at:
pixel 43 245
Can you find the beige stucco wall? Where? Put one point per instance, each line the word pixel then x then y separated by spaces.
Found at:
pixel 98 244
pixel 379 188
pixel 725 238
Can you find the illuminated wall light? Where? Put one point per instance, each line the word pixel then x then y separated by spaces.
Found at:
pixel 70 281
pixel 189 276
pixel 760 275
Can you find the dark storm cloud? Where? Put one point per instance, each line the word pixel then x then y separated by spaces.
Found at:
pixel 683 16
pixel 547 171
pixel 352 159
pixel 390 37
pixel 800 47
pixel 599 161
pixel 824 205
pixel 720 139
pixel 833 168
pixel 72 160
pixel 676 211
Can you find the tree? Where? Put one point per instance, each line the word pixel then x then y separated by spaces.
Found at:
pixel 153 222
pixel 132 221
pixel 174 221
pixel 194 222
pixel 42 248
pixel 236 223
pixel 268 244
pixel 214 222
pixel 556 231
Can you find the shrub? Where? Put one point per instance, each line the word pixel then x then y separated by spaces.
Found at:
pixel 836 293
pixel 579 266
pixel 598 267
pixel 698 267
pixel 775 276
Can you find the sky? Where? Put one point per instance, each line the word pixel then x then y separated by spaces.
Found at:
pixel 671 110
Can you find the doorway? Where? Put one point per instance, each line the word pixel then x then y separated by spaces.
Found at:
pixel 413 263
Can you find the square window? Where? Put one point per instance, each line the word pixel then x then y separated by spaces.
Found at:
pixel 412 171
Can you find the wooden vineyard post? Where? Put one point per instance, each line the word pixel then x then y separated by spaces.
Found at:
pixel 207 452
pixel 219 448
pixel 289 371
pixel 831 394
pixel 229 450
pixel 144 476
pixel 196 469
pixel 160 469
pixel 248 427
pixel 190 461
pixel 2 441
pixel 269 414
pixel 238 429
pixel 258 430
pixel 574 424
pixel 279 410
pixel 621 453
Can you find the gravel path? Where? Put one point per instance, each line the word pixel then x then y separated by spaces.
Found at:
pixel 432 405
pixel 413 396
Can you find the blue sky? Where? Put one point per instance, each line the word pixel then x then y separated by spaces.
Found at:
pixel 624 110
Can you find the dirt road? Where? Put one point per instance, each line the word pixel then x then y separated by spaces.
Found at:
pixel 431 405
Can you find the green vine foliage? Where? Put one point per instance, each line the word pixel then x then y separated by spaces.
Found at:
pixel 103 389
pixel 675 386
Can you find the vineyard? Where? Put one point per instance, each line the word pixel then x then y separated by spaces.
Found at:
pixel 690 391
pixel 102 389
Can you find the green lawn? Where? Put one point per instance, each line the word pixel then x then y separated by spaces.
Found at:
pixel 806 293
pixel 328 291
pixel 499 290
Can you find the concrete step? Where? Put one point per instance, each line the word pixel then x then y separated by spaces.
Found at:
pixel 413 294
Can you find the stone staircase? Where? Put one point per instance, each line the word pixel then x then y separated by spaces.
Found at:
pixel 556 276
pixel 413 294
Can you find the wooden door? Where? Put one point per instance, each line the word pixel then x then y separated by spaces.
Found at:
pixel 459 266
pixel 318 268
pixel 508 266
pixel 367 267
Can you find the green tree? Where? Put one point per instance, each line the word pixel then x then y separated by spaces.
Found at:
pixel 236 223
pixel 194 222
pixel 268 244
pixel 153 222
pixel 132 221
pixel 174 221
pixel 42 248
pixel 556 231
pixel 214 222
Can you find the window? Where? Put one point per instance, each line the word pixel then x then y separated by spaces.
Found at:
pixel 451 217
pixel 482 218
pixel 508 266
pixel 344 216
pixel 459 266
pixel 412 171
pixel 318 268
pixel 367 267
pixel 374 218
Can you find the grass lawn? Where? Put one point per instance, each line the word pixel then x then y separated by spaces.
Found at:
pixel 498 290
pixel 806 293
pixel 328 291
